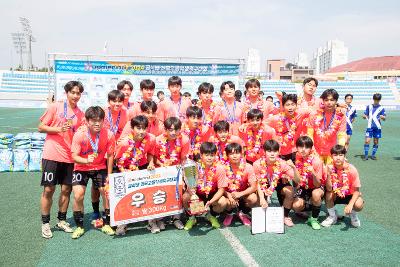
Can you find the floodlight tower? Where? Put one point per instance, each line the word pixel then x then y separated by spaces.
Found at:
pixel 27 30
pixel 19 42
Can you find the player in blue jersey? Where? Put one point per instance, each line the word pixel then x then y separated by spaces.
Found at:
pixel 374 113
pixel 351 114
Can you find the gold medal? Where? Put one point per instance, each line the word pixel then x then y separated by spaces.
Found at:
pixel 69 122
pixel 95 154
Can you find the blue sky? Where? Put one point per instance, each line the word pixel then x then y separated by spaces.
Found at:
pixel 279 29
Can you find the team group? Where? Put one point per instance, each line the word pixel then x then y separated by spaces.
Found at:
pixel 245 148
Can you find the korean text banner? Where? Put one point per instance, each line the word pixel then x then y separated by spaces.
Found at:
pixel 144 195
pixel 145 68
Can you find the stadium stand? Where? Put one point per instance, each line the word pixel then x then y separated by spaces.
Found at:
pixel 23 89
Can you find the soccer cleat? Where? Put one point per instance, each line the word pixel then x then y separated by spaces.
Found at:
pixel 373 158
pixel 214 221
pixel 161 225
pixel 79 231
pixel 190 223
pixel 107 230
pixel 355 221
pixel 244 218
pixel 288 222
pixel 329 221
pixel 46 231
pixel 63 225
pixel 314 223
pixel 228 220
pixel 178 224
pixel 153 227
pixel 121 229
pixel 365 158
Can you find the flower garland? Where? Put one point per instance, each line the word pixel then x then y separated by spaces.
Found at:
pixel 268 185
pixel 223 158
pixel 340 185
pixel 195 142
pixel 304 166
pixel 253 143
pixel 249 105
pixel 235 180
pixel 172 155
pixel 131 157
pixel 205 180
pixel 208 118
pixel 326 132
pixel 286 138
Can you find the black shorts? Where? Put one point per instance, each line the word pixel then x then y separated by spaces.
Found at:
pixel 345 200
pixel 55 173
pixel 82 178
pixel 291 156
pixel 279 193
pixel 305 194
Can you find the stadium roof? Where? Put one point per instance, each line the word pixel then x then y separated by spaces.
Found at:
pixel 386 63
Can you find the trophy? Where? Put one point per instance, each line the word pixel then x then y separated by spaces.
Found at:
pixel 190 171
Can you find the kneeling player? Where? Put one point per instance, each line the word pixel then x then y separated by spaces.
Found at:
pixel 342 185
pixel 308 175
pixel 242 185
pixel 272 174
pixel 210 185
pixel 90 146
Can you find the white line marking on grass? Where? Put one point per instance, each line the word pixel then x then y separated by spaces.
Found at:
pixel 239 249
pixel 17 127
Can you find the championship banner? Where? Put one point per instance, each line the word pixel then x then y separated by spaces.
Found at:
pixel 145 195
pixel 100 77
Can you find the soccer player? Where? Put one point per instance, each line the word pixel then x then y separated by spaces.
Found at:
pixel 254 133
pixel 195 131
pixel 93 153
pixel 175 105
pixel 126 87
pixel 351 115
pixel 147 87
pixel 327 126
pixel 149 110
pixel 374 113
pixel 308 175
pixel 273 174
pixel 308 98
pixel 242 185
pixel 60 121
pixel 210 186
pixel 209 107
pixel 343 187
pixel 222 137
pixel 172 148
pixel 135 152
pixel 230 109
pixel 287 125
pixel 254 100
pixel 116 113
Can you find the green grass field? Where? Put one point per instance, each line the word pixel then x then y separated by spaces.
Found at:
pixel 376 243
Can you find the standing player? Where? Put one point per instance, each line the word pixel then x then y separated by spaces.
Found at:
pixel 254 100
pixel 60 121
pixel 327 126
pixel 175 105
pixel 126 87
pixel 230 110
pixel 116 113
pixel 209 107
pixel 93 152
pixel 351 115
pixel 374 113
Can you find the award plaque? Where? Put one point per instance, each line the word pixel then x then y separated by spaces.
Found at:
pixel 196 206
